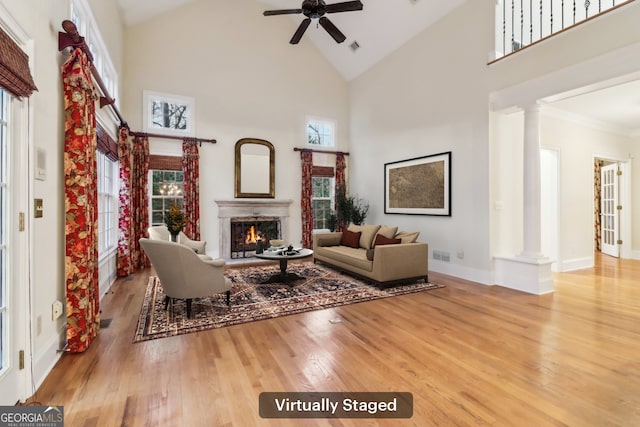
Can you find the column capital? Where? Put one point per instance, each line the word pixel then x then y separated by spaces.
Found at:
pixel 534 107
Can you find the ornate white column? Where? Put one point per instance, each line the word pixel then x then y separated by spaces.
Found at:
pixel 532 240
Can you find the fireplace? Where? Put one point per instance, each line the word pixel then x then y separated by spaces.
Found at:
pixel 247 212
pixel 246 231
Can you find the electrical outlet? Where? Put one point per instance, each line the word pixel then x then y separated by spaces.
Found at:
pixel 38 325
pixel 56 310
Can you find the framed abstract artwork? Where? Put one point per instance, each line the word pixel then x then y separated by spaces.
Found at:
pixel 418 186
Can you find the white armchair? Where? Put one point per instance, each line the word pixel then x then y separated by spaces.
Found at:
pixel 160 232
pixel 183 274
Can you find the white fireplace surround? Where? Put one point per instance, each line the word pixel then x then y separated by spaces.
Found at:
pixel 247 208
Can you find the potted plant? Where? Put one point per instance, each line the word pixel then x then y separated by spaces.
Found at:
pixel 349 210
pixel 175 220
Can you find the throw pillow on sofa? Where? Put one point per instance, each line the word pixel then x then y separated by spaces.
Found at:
pixel 380 241
pixel 408 237
pixel 368 233
pixel 388 232
pixel 351 239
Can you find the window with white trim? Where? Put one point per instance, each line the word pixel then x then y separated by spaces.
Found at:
pixel 82 17
pixel 107 204
pixel 321 132
pixel 167 188
pixel 322 199
pixel 168 114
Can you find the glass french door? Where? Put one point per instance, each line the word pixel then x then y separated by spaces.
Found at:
pixel 13 176
pixel 7 369
pixel 609 213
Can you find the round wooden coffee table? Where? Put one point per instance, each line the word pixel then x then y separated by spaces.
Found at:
pixel 283 256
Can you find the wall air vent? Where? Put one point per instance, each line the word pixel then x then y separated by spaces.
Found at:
pixel 441 256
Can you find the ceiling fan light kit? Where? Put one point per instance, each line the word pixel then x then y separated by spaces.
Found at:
pixel 316 9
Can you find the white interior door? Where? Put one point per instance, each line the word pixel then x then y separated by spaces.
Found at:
pixel 609 213
pixel 8 352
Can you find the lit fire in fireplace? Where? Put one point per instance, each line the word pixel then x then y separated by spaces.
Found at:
pixel 252 235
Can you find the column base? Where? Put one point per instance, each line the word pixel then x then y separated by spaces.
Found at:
pixel 531 274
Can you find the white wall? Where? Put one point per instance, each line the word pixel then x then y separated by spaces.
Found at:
pixel 434 94
pixel 247 81
pixel 428 97
pixel 578 145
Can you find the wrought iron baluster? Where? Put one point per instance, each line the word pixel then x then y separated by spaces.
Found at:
pixel 562 6
pixel 551 16
pixel 513 8
pixel 587 3
pixel 531 21
pixel 504 27
pixel 540 18
pixel 521 23
pixel 574 11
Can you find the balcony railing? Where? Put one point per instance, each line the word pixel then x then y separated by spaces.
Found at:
pixel 520 23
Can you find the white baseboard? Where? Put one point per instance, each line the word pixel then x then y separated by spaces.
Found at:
pixel 44 362
pixel 474 275
pixel 576 264
pixel 635 254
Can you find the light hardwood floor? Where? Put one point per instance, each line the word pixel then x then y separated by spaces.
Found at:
pixel 470 354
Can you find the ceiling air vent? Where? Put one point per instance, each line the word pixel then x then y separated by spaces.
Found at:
pixel 354 46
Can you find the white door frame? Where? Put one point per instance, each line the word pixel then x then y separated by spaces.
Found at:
pixel 19 267
pixel 624 194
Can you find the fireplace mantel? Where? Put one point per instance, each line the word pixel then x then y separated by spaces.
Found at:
pixel 241 208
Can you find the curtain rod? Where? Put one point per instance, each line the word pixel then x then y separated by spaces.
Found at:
pixel 320 151
pixel 180 138
pixel 71 38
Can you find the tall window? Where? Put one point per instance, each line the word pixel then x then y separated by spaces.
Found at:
pixel 322 201
pixel 4 335
pixel 167 188
pixel 82 16
pixel 321 132
pixel 107 204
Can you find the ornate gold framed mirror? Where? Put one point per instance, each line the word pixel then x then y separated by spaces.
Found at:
pixel 255 169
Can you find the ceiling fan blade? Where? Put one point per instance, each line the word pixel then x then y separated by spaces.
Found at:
pixel 347 6
pixel 300 31
pixel 332 30
pixel 281 12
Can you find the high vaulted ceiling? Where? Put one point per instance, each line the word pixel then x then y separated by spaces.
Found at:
pixel 385 25
pixel 380 28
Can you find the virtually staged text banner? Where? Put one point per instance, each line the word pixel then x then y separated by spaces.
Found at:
pixel 336 405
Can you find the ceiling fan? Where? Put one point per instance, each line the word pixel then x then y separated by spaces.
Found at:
pixel 315 9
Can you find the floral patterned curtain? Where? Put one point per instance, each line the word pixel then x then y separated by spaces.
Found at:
pixel 305 198
pixel 139 200
pixel 125 156
pixel 81 202
pixel 597 235
pixel 341 184
pixel 191 172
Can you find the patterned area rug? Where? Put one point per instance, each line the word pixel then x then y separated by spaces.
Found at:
pixel 321 288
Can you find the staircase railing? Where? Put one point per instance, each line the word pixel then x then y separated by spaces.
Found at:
pixel 520 23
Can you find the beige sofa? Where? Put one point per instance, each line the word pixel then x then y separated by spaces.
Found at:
pixel 383 264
